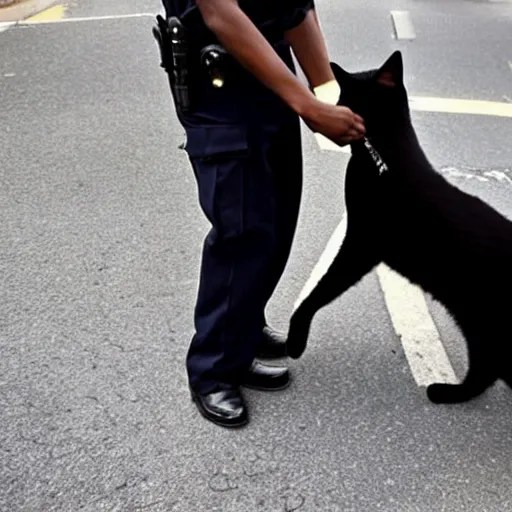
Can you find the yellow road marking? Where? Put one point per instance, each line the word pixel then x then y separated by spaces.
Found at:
pixel 330 91
pixel 460 106
pixel 57 12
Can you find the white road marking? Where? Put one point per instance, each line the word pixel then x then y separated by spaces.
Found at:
pixel 4 25
pixel 409 314
pixel 414 326
pixel 402 25
pixel 330 251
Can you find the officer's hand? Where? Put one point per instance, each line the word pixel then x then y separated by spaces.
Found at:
pixel 337 123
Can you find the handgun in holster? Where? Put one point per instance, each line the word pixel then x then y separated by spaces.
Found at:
pixel 172 40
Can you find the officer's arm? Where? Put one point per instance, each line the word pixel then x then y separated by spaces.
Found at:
pixel 309 47
pixel 246 43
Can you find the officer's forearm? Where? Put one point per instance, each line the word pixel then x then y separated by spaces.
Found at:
pixel 309 47
pixel 246 44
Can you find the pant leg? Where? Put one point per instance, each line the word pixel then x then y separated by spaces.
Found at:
pixel 236 193
pixel 284 158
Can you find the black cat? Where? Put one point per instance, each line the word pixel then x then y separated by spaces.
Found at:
pixel 451 244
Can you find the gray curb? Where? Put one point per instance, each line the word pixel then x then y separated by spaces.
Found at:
pixel 24 10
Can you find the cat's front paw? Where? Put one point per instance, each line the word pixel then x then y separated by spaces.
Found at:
pixel 448 393
pixel 297 338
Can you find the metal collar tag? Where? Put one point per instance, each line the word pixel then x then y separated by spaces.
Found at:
pixel 381 166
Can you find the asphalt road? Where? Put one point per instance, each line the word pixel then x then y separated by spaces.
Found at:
pixel 99 255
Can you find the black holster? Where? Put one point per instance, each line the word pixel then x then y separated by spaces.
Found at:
pixel 172 39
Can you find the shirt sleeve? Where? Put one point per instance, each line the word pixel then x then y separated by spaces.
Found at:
pixel 294 12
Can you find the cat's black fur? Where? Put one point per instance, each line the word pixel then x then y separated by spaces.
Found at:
pixel 451 244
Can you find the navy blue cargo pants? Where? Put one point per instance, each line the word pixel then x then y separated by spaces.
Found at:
pixel 244 146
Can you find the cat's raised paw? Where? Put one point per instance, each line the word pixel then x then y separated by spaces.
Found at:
pixel 297 340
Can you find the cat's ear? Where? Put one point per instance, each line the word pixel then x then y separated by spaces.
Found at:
pixel 391 73
pixel 339 73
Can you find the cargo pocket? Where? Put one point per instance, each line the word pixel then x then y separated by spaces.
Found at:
pixel 220 158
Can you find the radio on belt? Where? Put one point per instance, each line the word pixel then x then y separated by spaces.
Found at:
pixel 213 59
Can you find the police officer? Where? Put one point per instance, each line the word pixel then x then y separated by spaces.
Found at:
pixel 244 146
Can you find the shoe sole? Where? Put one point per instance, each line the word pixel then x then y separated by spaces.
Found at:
pixel 270 357
pixel 262 388
pixel 233 425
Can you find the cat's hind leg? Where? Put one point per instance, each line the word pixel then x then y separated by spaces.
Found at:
pixel 482 373
pixel 473 385
pixel 353 261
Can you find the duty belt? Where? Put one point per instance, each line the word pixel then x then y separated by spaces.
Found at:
pixel 186 51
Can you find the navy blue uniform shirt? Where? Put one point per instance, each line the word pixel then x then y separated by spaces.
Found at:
pixel 275 16
pixel 243 97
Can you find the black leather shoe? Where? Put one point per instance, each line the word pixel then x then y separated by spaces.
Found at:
pixel 266 378
pixel 225 407
pixel 273 344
